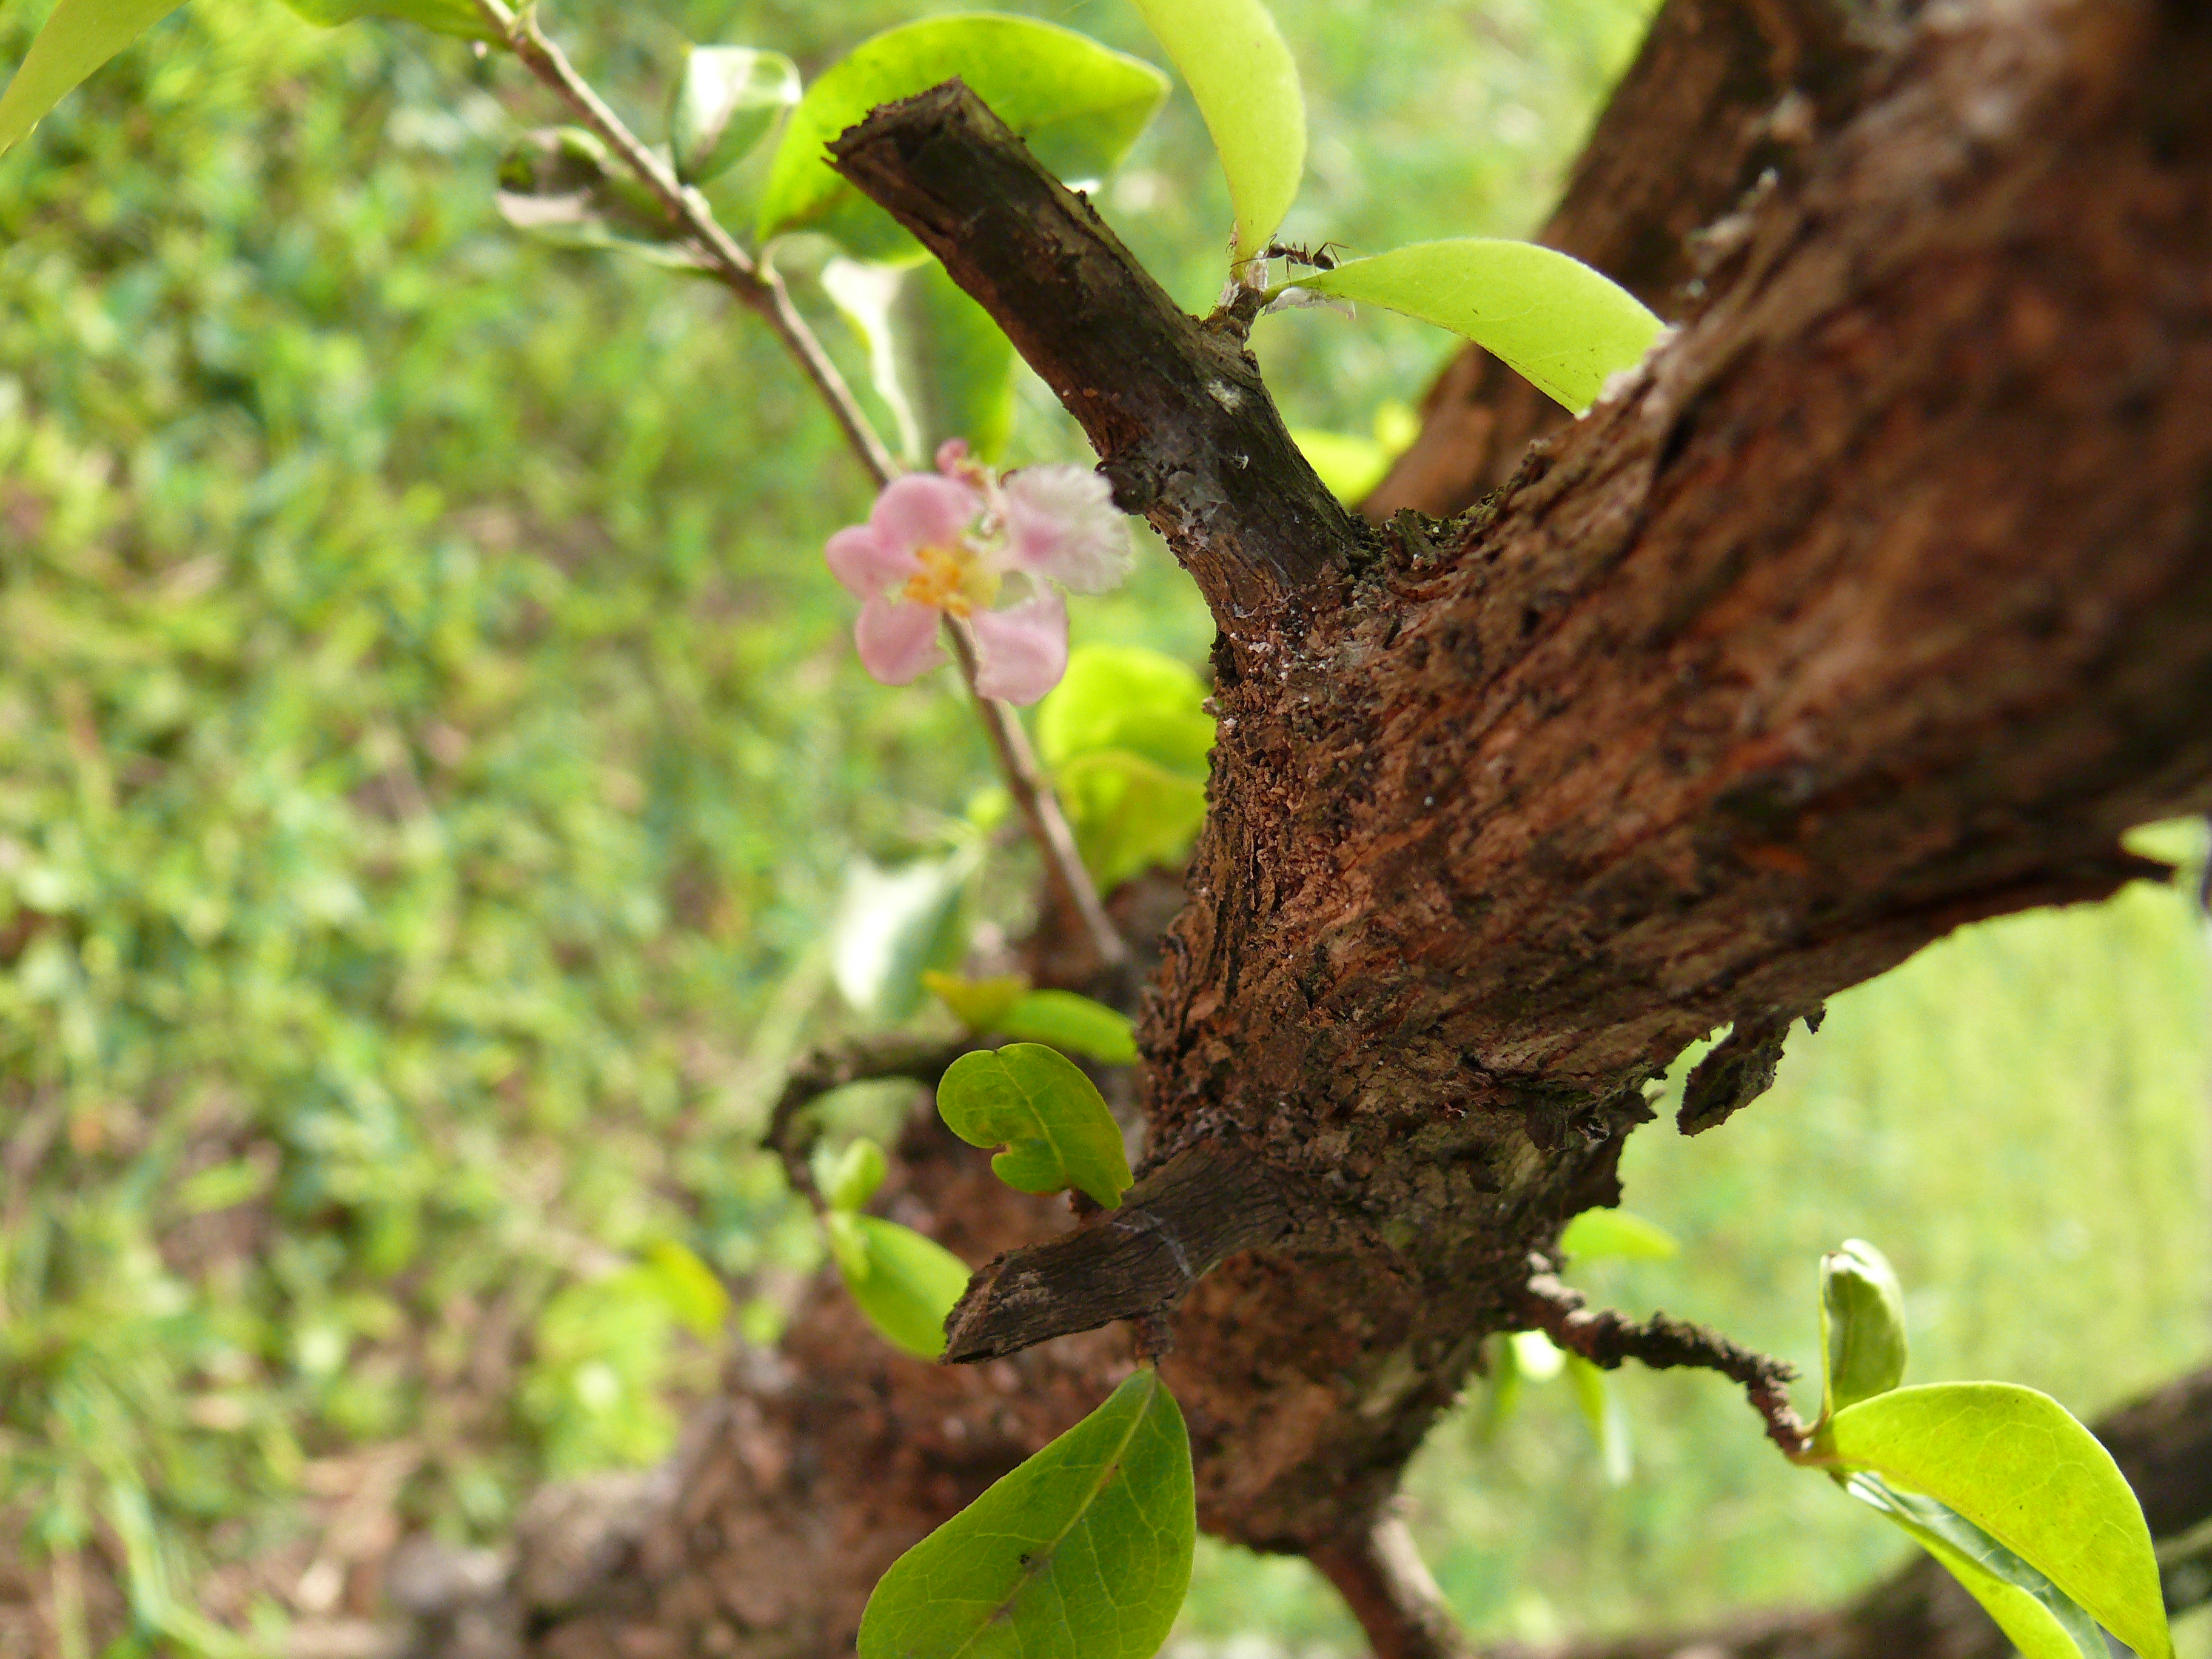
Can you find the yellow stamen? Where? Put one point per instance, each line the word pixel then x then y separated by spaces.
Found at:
pixel 950 581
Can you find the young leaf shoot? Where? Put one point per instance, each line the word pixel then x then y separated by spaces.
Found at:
pixel 1246 85
pixel 1564 326
pixel 1051 1118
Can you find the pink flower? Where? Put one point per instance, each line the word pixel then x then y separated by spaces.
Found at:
pixel 961 541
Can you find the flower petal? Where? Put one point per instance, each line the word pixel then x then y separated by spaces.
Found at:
pixel 952 456
pixel 859 559
pixel 1062 524
pixel 1021 652
pixel 923 510
pixel 897 640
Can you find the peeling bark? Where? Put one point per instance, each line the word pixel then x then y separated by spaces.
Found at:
pixel 1879 602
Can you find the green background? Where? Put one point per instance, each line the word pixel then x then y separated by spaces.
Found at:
pixel 430 748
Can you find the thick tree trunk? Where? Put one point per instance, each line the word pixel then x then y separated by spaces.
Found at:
pixel 1879 601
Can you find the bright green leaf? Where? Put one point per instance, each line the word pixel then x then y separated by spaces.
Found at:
pixel 978 1004
pixel 1608 1420
pixel 1079 104
pixel 694 1294
pixel 2014 1463
pixel 1082 1552
pixel 1504 1395
pixel 1051 1118
pixel 457 17
pixel 2043 1622
pixel 846 1180
pixel 1126 697
pixel 903 1283
pixel 1246 85
pixel 1065 1020
pixel 1129 814
pixel 1862 1346
pixel 1349 465
pixel 893 925
pixel 1564 326
pixel 724 103
pixel 1597 1233
pixel 79 36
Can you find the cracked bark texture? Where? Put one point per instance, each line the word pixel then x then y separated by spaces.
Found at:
pixel 1879 602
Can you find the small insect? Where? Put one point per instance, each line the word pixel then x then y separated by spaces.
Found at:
pixel 1318 259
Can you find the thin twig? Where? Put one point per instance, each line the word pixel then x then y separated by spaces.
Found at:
pixel 1039 807
pixel 761 289
pixel 1607 1338
pixel 923 1060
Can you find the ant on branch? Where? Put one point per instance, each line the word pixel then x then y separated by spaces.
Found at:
pixel 1316 258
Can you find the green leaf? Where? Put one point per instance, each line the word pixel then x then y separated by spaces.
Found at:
pixel 1082 1552
pixel 1051 1118
pixel 846 1180
pixel 978 1004
pixel 2014 1463
pixel 893 925
pixel 1079 104
pixel 903 1283
pixel 560 186
pixel 1065 1020
pixel 1241 74
pixel 1863 1346
pixel 1126 697
pixel 1564 326
pixel 1505 1385
pixel 79 36
pixel 1597 1233
pixel 2042 1620
pixel 1129 814
pixel 1537 1356
pixel 1608 1422
pixel 690 1287
pixel 940 364
pixel 724 103
pixel 456 18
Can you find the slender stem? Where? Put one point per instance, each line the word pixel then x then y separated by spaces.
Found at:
pixel 1039 807
pixel 761 289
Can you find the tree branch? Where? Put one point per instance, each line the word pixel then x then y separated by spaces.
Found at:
pixel 1175 407
pixel 1380 1573
pixel 1663 1344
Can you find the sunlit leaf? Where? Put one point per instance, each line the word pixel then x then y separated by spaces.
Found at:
pixel 1538 1358
pixel 2043 1622
pixel 942 366
pixel 1246 85
pixel 2014 1463
pixel 892 925
pixel 78 37
pixel 1607 1418
pixel 1598 1233
pixel 1127 734
pixel 903 1283
pixel 1564 326
pixel 978 1004
pixel 847 1179
pixel 1862 1343
pixel 1065 1020
pixel 694 1294
pixel 1083 1552
pixel 1350 465
pixel 1126 697
pixel 724 103
pixel 1080 105
pixel 456 18
pixel 1049 1117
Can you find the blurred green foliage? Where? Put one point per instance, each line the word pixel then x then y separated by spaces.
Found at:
pixel 430 753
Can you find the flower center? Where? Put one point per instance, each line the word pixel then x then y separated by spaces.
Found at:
pixel 950 580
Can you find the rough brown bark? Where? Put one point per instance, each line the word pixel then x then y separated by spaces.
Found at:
pixel 1881 601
